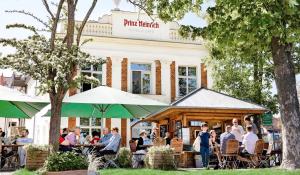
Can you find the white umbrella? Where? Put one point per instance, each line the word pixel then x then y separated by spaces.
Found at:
pixel 107 102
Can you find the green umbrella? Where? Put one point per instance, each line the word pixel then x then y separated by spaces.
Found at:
pixel 106 102
pixel 14 104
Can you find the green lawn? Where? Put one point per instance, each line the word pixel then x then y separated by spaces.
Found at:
pixel 186 172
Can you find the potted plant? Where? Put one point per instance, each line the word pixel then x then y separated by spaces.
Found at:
pixel 161 157
pixel 36 155
pixel 67 163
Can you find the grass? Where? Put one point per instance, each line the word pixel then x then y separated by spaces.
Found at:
pixel 269 171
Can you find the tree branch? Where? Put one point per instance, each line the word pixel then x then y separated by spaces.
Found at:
pixel 55 22
pixel 76 1
pixel 48 9
pixel 142 7
pixel 29 14
pixel 79 33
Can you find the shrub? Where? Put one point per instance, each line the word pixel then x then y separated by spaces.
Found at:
pixel 66 161
pixel 124 158
pixel 161 157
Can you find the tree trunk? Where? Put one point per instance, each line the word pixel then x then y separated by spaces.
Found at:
pixel 55 120
pixel 289 104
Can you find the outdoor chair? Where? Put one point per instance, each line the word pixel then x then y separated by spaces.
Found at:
pixel 258 153
pixel 177 145
pixel 137 158
pixel 266 158
pixel 229 158
pixel 159 142
pixel 215 158
pixel 110 159
pixel 9 160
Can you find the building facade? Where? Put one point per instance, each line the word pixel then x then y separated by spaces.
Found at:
pixel 143 56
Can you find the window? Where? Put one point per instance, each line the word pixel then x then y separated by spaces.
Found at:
pixel 140 80
pixel 195 123
pixel 187 79
pixel 95 71
pixel 88 125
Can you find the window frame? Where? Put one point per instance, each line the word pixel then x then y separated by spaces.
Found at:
pixel 186 77
pixel 143 72
pixel 92 72
pixel 90 127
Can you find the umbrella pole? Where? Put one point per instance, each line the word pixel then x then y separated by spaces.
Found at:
pixel 33 138
pixel 5 127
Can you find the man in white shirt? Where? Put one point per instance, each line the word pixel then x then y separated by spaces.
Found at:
pixel 237 130
pixel 249 140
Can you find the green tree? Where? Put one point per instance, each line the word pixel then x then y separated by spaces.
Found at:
pixel 268 26
pixel 249 79
pixel 52 61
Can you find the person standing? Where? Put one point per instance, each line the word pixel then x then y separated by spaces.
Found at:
pixel 248 121
pixel 204 144
pixel 227 135
pixel 154 133
pixel 237 130
pixel 168 138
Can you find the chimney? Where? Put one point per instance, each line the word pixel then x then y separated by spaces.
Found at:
pixel 203 76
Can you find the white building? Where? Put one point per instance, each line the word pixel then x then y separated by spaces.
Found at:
pixel 143 57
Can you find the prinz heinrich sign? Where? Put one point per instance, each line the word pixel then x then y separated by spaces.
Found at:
pixel 138 23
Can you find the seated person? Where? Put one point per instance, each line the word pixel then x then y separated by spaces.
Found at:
pixel 168 138
pixel 227 135
pixel 23 140
pixel 106 136
pixel 2 133
pixel 249 141
pixel 96 137
pixel 75 137
pixel 113 144
pixel 143 136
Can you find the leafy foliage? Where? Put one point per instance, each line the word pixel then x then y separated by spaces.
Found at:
pixel 34 57
pixel 66 161
pixel 249 78
pixel 241 29
pixel 124 158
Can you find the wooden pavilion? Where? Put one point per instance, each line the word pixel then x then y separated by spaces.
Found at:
pixel 184 116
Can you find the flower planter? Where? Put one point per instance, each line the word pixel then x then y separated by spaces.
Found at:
pixel 158 160
pixel 70 172
pixel 36 159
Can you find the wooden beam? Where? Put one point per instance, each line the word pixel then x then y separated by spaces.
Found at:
pixel 209 117
pixel 176 111
pixel 215 114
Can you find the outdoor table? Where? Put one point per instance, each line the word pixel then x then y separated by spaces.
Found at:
pixel 145 146
pixel 89 145
pixel 15 153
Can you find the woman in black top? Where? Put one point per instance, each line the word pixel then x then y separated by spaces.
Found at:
pixel 168 139
pixel 143 135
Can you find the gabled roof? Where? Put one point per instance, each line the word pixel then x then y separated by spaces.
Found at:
pixel 206 98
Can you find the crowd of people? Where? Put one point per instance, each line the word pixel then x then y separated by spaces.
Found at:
pixel 109 143
pixel 209 141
